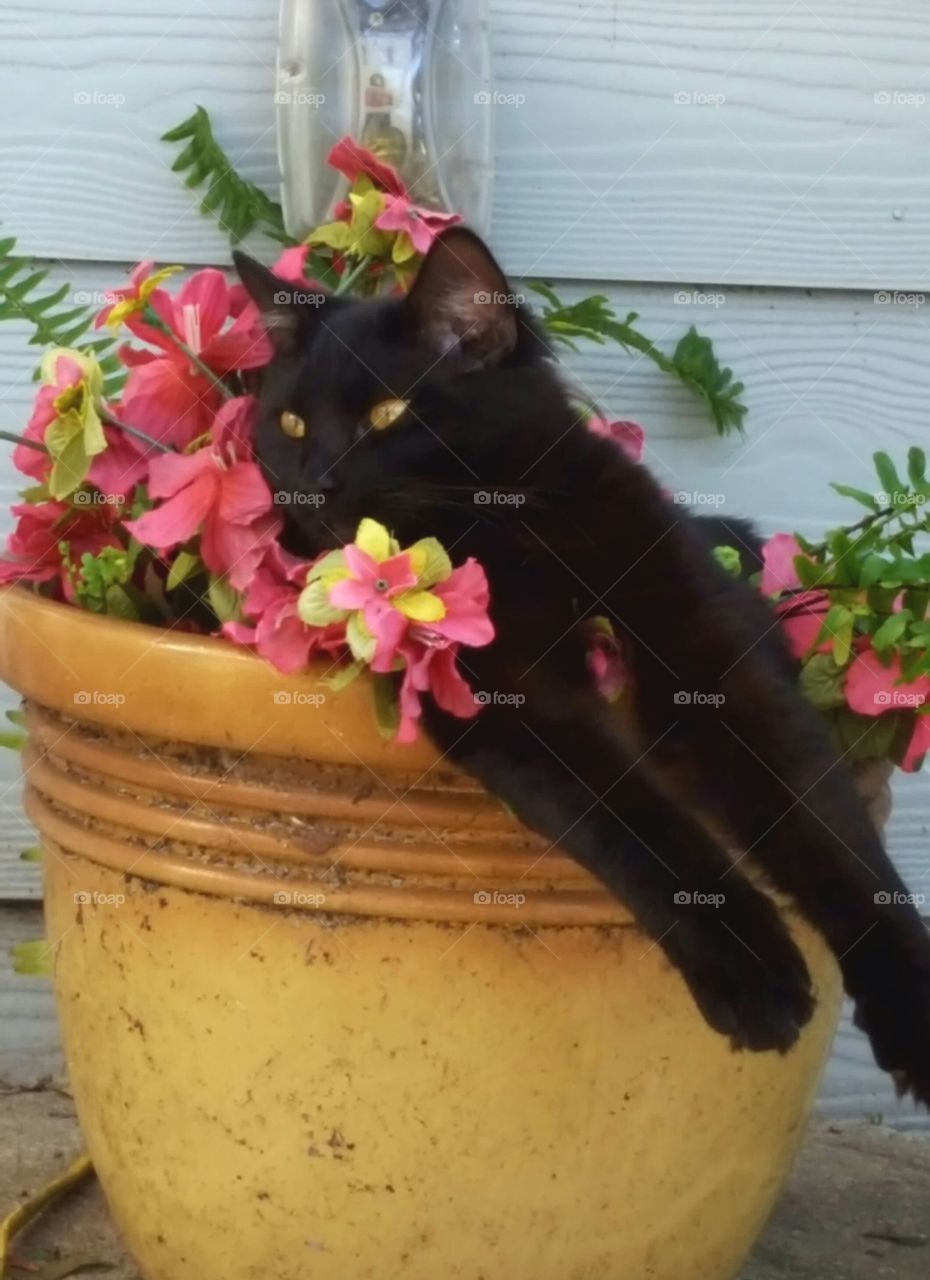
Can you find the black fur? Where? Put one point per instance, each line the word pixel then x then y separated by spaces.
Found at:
pixel 573 528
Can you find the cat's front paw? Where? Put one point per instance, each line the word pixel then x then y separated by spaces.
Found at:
pixel 894 1012
pixel 749 979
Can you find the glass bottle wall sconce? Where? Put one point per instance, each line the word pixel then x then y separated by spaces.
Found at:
pixel 409 79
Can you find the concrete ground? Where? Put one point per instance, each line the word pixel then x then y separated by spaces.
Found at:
pixel 857 1208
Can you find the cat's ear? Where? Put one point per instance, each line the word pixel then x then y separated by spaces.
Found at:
pixel 283 310
pixel 461 302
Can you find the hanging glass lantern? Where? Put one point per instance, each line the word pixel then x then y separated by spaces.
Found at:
pixel 409 79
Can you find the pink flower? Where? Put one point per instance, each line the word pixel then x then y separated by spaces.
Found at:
pixel 628 436
pixel 290 265
pixel 121 466
pixel 778 556
pixel 32 550
pixel 802 617
pixel 421 225
pixel 432 669
pixel 873 688
pixel 353 160
pixel 277 634
pixel 169 396
pixel 227 499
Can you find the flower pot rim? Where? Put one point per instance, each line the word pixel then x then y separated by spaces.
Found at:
pixel 163 683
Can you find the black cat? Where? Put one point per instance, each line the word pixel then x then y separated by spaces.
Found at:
pixel 489 454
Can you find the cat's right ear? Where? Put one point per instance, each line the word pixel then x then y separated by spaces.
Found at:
pixel 282 310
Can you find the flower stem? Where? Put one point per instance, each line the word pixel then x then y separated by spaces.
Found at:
pixel 348 279
pixel 30 444
pixel 111 420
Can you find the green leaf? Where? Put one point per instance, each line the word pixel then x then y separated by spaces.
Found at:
pixel 693 363
pixel 874 568
pixel 12 741
pixel 17 716
pixel 823 682
pixel 858 495
pixel 729 559
pixel 224 599
pixel 31 855
pixel 891 630
pixel 313 605
pixel 343 676
pixel 838 627
pixel 916 466
pixel 387 711
pixel 33 959
pixel 24 298
pixel 858 737
pixel 237 204
pixel 888 476
pixel 184 564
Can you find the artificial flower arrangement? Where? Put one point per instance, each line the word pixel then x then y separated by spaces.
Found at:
pixel 147 503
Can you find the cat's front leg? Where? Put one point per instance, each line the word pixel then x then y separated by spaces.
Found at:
pixel 572 781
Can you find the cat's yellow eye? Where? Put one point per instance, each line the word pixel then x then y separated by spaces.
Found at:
pixel 292 425
pixel 386 413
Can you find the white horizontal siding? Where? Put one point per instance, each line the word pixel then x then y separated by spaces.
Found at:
pixel 798 177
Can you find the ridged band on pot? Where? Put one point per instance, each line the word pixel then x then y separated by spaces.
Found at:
pixel 280 793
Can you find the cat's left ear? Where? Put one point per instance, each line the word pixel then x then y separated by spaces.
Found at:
pixel 284 311
pixel 461 302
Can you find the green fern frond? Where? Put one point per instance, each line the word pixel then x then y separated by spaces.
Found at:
pixel 237 204
pixel 693 362
pixel 54 324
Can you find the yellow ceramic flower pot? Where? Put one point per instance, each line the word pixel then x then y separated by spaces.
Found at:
pixel 330 1012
